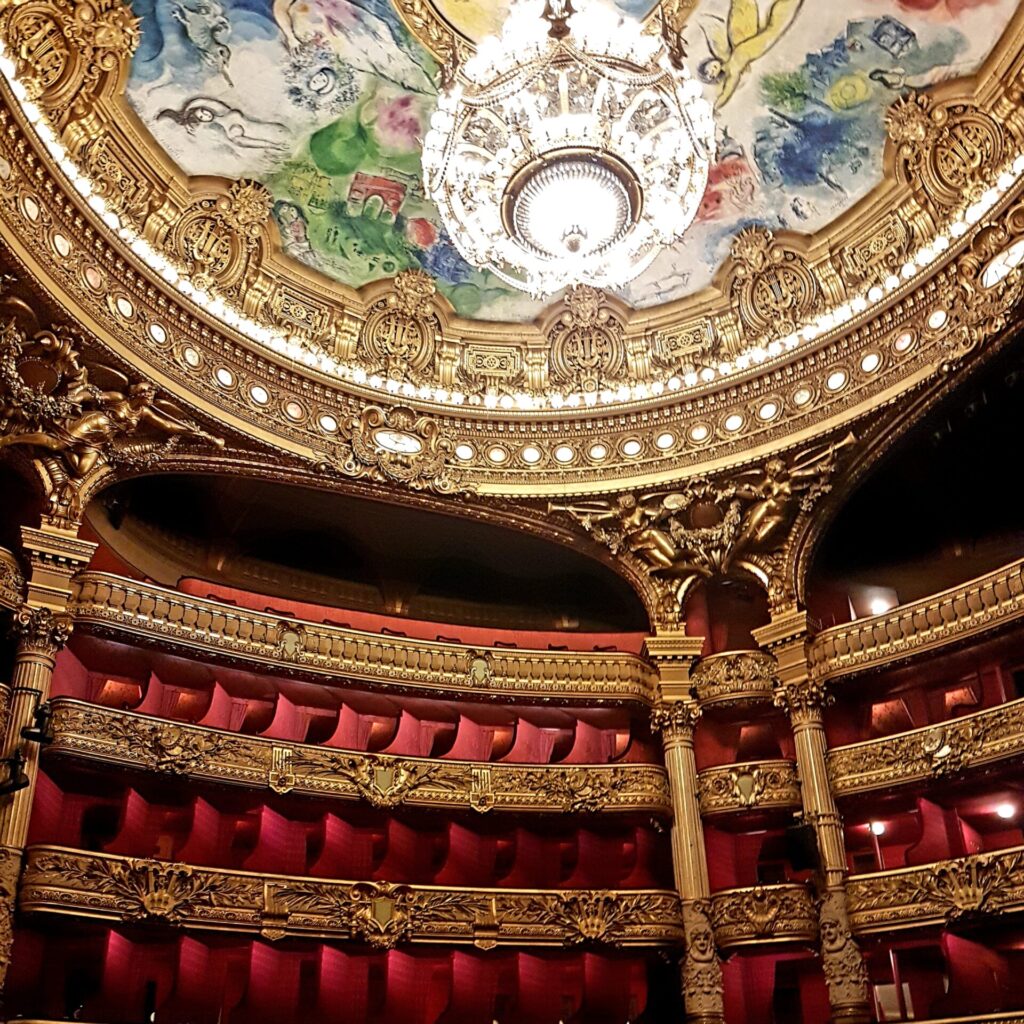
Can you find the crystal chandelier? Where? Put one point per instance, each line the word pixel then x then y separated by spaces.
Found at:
pixel 569 149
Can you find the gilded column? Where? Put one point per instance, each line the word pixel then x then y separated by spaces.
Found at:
pixel 675 717
pixel 804 700
pixel 42 626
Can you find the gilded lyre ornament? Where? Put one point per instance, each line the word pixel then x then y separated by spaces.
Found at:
pixel 54 405
pixel 402 330
pixel 712 528
pixel 588 348
pixel 396 445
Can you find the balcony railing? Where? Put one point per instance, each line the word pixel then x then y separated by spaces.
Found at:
pixel 381 914
pixel 123 608
pixel 763 914
pixel 138 741
pixel 755 785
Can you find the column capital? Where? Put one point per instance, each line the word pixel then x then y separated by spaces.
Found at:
pixel 675 718
pixel 803 701
pixel 40 630
pixel 54 556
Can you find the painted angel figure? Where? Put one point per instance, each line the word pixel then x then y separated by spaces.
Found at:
pixel 742 40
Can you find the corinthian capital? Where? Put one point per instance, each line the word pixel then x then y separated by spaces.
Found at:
pixel 41 630
pixel 674 717
pixel 802 700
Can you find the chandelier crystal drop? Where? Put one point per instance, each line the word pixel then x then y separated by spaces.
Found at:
pixel 569 149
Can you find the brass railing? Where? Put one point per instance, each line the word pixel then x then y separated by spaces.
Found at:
pixel 763 914
pixel 127 608
pixel 382 914
pixel 759 785
pixel 967 888
pixel 954 615
pixel 933 751
pixel 138 741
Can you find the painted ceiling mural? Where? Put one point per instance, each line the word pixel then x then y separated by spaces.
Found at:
pixel 326 102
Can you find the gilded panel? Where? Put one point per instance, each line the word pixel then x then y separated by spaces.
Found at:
pixel 763 914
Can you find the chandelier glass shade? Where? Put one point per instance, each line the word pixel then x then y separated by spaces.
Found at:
pixel 568 150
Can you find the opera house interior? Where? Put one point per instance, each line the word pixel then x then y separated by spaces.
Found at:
pixel 509 511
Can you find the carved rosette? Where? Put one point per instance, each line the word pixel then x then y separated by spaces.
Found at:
pixel 738 678
pixel 397 445
pixel 702 970
pixel 763 913
pixel 846 974
pixel 588 347
pixel 40 631
pixel 744 787
pixel 402 331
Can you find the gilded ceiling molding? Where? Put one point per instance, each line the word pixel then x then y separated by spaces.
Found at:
pixel 147 614
pixel 968 743
pixel 953 891
pixel 964 612
pixel 764 914
pixel 745 787
pixel 889 308
pixel 380 914
pixel 108 736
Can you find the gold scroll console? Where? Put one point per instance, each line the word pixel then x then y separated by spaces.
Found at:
pixel 382 914
pixel 85 731
pixel 111 605
pixel 934 751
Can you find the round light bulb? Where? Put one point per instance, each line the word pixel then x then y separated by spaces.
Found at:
pixel 1006 810
pixel 877 828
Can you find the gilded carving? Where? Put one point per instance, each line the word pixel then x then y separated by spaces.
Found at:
pixel 10 869
pixel 588 348
pixel 783 913
pixel 674 718
pixel 747 786
pixel 846 974
pixel 397 445
pixel 803 701
pixel 381 914
pixel 108 735
pixel 401 332
pixel 702 970
pixel 772 286
pixel 41 630
pixel 735 677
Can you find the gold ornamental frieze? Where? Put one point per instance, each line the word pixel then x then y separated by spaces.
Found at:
pixel 798 337
pixel 756 785
pixel 964 612
pixel 143 612
pixel 380 914
pixel 934 751
pixel 107 736
pixel 762 914
pixel 736 678
pixel 963 890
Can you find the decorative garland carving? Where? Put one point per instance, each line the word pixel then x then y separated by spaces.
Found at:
pixel 763 913
pixel 742 787
pixel 946 892
pixel 379 913
pixel 109 736
pixel 735 677
pixel 397 445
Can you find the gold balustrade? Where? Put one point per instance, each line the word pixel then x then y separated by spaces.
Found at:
pixel 945 892
pixel 381 914
pixel 753 785
pixel 762 914
pixel 126 609
pixel 933 751
pixel 963 612
pixel 86 731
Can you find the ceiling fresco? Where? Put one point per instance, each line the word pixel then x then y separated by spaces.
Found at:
pixel 327 101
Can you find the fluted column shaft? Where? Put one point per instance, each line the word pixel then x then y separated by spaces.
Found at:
pixel 804 700
pixel 675 717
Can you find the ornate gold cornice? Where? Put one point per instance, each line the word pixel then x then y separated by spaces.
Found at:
pixel 931 752
pixel 963 612
pixel 749 786
pixel 380 914
pixel 121 738
pixel 969 888
pixel 763 914
pixel 143 612
pixel 945 152
pixel 734 678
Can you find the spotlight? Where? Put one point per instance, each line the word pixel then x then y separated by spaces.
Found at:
pixel 1006 810
pixel 877 828
pixel 879 606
